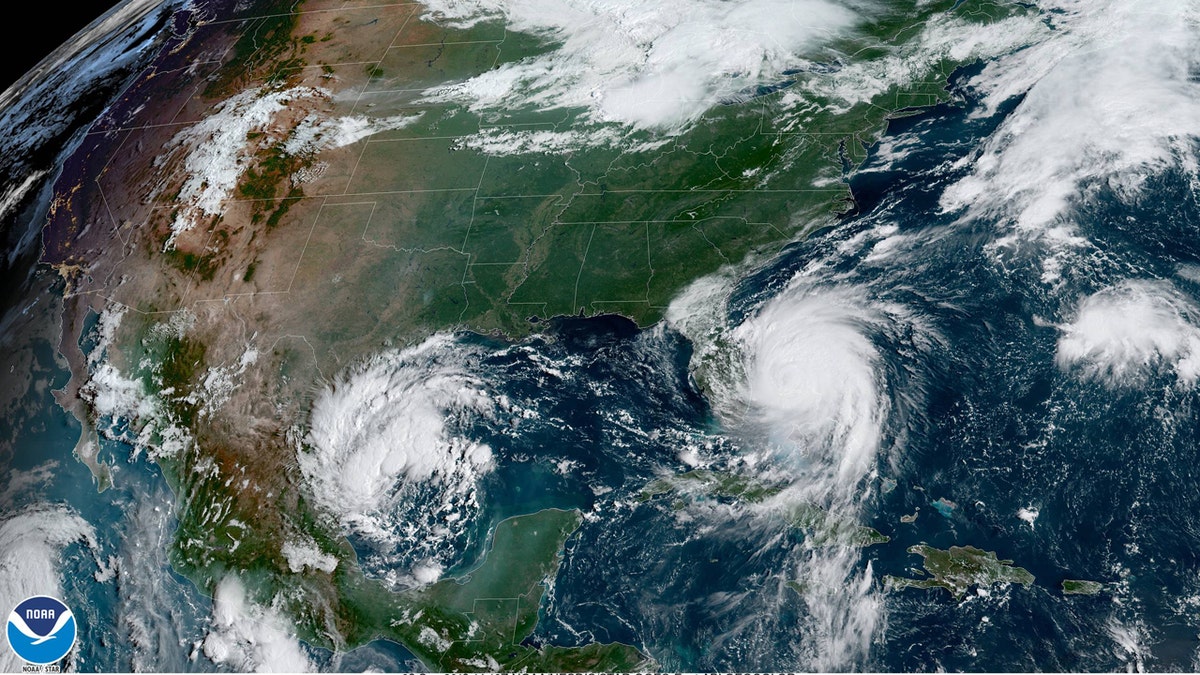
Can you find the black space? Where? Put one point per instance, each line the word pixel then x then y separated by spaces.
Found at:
pixel 47 25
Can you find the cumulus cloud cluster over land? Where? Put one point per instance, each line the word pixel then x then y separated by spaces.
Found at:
pixel 251 638
pixel 217 151
pixel 655 65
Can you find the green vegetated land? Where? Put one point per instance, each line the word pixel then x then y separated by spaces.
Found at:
pixel 1081 587
pixel 486 243
pixel 820 527
pixel 499 239
pixel 478 621
pixel 960 568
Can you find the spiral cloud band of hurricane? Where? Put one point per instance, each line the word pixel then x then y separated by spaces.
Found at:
pixel 384 428
pixel 812 378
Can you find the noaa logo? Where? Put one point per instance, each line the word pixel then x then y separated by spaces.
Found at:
pixel 41 630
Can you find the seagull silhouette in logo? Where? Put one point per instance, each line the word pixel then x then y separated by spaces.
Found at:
pixel 16 620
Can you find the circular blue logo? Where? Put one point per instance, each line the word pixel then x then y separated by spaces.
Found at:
pixel 41 630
